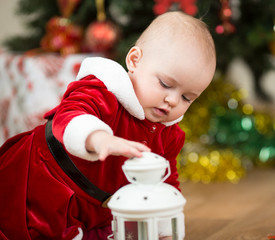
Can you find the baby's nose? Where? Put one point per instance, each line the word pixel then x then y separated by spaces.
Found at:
pixel 172 99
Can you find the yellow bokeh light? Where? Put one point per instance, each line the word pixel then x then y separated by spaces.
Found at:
pixel 248 109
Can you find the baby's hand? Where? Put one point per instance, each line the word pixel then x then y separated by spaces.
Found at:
pixel 105 144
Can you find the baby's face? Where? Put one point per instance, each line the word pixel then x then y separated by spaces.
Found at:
pixel 168 80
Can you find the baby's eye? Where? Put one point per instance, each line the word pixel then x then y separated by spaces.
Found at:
pixel 163 84
pixel 186 99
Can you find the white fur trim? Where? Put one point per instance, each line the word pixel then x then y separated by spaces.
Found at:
pixel 117 81
pixel 167 124
pixel 79 236
pixel 77 131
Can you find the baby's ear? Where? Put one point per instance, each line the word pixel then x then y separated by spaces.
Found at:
pixel 133 57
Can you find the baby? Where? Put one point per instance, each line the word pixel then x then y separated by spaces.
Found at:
pixel 105 117
pixel 170 66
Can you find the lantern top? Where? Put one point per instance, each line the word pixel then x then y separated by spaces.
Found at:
pixel 148 161
pixel 148 195
pixel 137 201
pixel 148 169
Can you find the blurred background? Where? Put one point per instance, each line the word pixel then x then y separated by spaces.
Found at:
pixel 229 129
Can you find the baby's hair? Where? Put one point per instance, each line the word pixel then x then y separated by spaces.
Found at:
pixel 178 24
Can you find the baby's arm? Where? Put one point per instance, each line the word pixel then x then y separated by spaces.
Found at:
pixel 105 144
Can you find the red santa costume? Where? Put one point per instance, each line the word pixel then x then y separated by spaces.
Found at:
pixel 38 199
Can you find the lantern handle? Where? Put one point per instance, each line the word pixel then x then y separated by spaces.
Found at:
pixel 110 237
pixel 168 172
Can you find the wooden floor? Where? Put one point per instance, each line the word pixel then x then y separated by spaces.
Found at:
pixel 223 211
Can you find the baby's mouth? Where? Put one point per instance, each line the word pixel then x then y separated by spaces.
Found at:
pixel 161 111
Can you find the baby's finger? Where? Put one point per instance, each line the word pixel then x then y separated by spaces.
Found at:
pixel 140 147
pixel 133 152
pixel 103 155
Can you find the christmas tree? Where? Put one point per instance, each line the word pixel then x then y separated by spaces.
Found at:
pixel 240 28
pixel 224 134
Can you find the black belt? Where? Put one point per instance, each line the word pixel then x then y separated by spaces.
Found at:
pixel 71 170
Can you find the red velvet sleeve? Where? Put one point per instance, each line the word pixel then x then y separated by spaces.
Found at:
pixel 86 96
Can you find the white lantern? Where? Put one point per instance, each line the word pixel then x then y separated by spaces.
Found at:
pixel 147 208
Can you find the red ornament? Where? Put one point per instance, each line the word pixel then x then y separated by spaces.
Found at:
pixel 101 36
pixel 188 6
pixel 62 36
pixel 162 6
pixel 226 27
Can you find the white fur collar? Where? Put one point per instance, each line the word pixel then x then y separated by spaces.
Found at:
pixel 117 81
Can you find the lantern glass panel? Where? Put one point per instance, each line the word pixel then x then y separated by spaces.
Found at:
pixel 174 229
pixel 168 229
pixel 136 230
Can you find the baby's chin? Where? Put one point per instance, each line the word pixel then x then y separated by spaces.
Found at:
pixel 154 116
